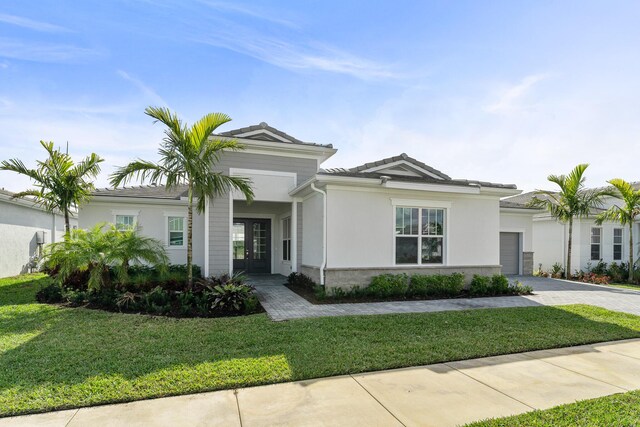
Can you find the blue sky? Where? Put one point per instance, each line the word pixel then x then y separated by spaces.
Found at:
pixel 500 91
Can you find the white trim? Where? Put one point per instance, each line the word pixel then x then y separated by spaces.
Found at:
pixel 241 171
pixel 324 231
pixel 420 203
pixel 294 236
pixel 230 233
pixel 182 215
pixel 445 237
pixel 135 200
pixel 403 162
pixel 263 131
pixel 206 237
pixel 127 212
pixel 442 188
pixel 591 228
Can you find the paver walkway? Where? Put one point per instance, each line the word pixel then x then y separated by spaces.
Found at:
pixel 445 394
pixel 284 304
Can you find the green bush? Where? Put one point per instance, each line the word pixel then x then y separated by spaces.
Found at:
pixel 436 285
pixel 480 285
pixel 300 280
pixel 499 284
pixel 50 294
pixel 388 285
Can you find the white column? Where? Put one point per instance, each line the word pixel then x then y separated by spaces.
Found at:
pixel 206 237
pixel 230 235
pixel 294 235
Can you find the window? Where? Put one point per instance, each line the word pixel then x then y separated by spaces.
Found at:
pixel 176 231
pixel 125 222
pixel 596 235
pixel 617 244
pixel 419 235
pixel 286 239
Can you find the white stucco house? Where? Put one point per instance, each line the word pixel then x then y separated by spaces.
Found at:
pixel 338 226
pixel 592 243
pixel 25 227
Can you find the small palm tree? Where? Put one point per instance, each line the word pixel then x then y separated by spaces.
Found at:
pixel 60 183
pixel 625 214
pixel 571 201
pixel 96 250
pixel 187 156
pixel 129 246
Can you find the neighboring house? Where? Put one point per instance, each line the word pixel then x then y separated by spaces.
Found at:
pixel 592 243
pixel 338 226
pixel 25 227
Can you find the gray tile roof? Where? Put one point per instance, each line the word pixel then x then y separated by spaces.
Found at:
pixel 265 137
pixel 357 172
pixel 143 191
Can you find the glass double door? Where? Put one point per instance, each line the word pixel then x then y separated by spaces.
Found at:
pixel 251 245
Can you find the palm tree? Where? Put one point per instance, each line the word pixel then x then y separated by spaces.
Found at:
pixel 572 201
pixel 187 156
pixel 626 214
pixel 129 246
pixel 60 183
pixel 96 250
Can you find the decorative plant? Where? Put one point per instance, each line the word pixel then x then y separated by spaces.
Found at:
pixel 625 214
pixel 187 157
pixel 61 184
pixel 571 201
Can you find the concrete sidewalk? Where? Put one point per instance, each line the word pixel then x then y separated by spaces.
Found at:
pixel 445 394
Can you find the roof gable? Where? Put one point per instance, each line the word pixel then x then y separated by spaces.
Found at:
pixel 401 165
pixel 264 132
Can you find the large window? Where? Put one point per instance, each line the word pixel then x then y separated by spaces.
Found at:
pixel 419 235
pixel 617 244
pixel 176 230
pixel 596 240
pixel 286 239
pixel 125 222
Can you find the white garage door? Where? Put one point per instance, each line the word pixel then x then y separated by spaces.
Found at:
pixel 510 253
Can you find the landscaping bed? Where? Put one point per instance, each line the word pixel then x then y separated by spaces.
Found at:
pixel 402 287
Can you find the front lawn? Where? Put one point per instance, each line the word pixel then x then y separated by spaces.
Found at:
pixel 53 357
pixel 616 410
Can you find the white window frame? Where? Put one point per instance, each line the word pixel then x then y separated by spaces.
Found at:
pixel 119 212
pixel 621 244
pixel 286 237
pixel 599 244
pixel 182 215
pixel 420 205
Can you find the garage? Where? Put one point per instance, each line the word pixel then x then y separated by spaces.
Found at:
pixel 510 253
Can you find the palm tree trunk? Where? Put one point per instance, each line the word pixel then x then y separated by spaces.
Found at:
pixel 189 238
pixel 67 227
pixel 567 272
pixel 630 278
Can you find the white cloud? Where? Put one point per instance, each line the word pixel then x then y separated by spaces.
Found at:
pixel 151 94
pixel 31 24
pixel 252 12
pixel 511 98
pixel 45 52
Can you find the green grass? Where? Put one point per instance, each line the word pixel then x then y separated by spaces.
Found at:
pixel 54 357
pixel 616 410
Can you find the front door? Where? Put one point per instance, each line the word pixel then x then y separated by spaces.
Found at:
pixel 251 245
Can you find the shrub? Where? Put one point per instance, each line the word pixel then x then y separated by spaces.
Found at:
pixel 74 297
pixel 386 285
pixel 618 273
pixel 230 298
pixel 600 269
pixel 517 288
pixel 437 285
pixel 499 284
pixel 557 270
pixel 300 280
pixel 50 294
pixel 480 285
pixel 127 300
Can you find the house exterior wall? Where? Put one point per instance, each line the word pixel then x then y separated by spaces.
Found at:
pixel 361 236
pixel 152 221
pixel 519 223
pixel 18 227
pixel 312 220
pixel 219 212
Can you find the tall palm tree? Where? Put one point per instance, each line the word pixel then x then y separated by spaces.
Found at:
pixel 571 201
pixel 187 156
pixel 60 183
pixel 626 214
